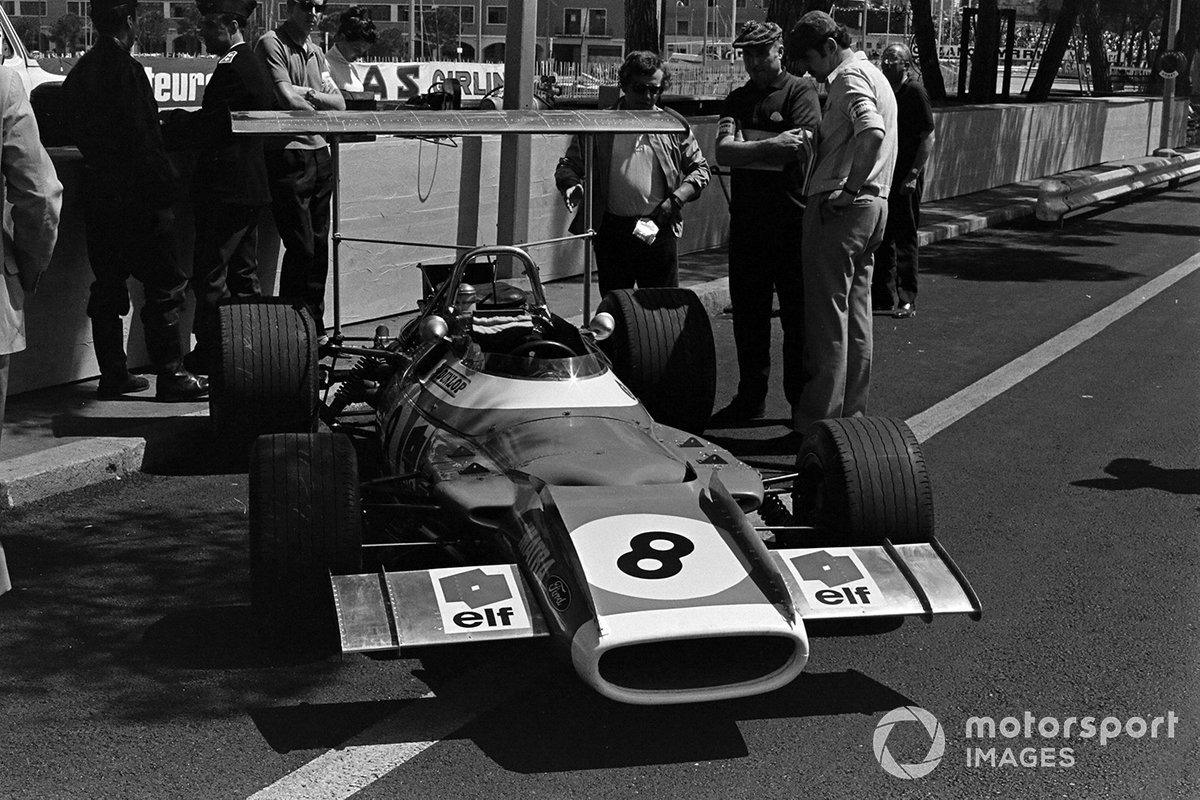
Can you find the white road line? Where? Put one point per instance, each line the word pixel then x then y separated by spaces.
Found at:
pixel 952 409
pixel 386 745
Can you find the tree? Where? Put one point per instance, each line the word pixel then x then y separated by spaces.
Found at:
pixel 985 61
pixel 66 32
pixel 1056 48
pixel 29 32
pixel 641 26
pixel 925 34
pixel 439 32
pixel 392 43
pixel 1097 50
pixel 152 32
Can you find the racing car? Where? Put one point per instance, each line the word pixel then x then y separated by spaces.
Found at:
pixel 494 471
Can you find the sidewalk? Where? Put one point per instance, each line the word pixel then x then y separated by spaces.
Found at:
pixel 64 438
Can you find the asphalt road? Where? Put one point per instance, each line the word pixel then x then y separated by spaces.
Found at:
pixel 129 668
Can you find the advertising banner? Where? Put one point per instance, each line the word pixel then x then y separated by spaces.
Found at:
pixel 179 82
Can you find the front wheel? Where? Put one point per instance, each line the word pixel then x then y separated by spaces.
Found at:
pixel 267 380
pixel 862 479
pixel 662 349
pixel 305 523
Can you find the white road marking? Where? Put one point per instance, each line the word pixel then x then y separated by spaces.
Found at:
pixel 386 745
pixel 952 409
pixel 340 773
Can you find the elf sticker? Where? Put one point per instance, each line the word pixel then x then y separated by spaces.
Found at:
pixel 479 600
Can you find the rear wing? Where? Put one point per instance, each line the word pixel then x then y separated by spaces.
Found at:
pixel 879 581
pixel 454 123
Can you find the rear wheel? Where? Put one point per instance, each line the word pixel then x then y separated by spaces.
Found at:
pixel 267 379
pixel 662 349
pixel 305 522
pixel 862 479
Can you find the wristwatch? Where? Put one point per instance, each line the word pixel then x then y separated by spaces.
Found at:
pixel 675 201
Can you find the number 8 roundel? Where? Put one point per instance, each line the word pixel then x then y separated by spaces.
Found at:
pixel 656 557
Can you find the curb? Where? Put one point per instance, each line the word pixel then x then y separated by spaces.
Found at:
pixel 27 479
pixel 36 476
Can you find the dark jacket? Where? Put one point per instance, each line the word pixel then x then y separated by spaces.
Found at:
pixel 110 115
pixel 230 169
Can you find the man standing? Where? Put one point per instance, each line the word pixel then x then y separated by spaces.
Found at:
pixel 844 220
pixel 639 179
pixel 230 185
pixel 763 135
pixel 895 284
pixel 299 169
pixel 129 188
pixel 29 183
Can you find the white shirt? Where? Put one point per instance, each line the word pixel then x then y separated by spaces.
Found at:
pixel 342 71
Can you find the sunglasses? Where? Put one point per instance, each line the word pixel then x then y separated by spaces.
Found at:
pixel 645 88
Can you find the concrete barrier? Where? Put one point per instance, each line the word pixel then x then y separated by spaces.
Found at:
pixel 1060 198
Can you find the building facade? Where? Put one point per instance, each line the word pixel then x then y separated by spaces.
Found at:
pixel 577 31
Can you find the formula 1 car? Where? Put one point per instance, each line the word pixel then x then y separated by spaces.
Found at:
pixel 507 474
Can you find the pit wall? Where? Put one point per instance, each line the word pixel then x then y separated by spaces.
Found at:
pixel 408 190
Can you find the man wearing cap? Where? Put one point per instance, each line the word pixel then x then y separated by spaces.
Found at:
pixel 844 220
pixel 230 184
pixel 894 286
pixel 129 188
pixel 637 178
pixel 763 135
pixel 299 167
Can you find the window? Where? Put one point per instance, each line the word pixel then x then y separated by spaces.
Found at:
pixel 572 21
pixel 31 8
pixel 597 22
pixel 77 7
pixel 466 15
pixel 742 3
pixel 10 7
pixel 682 28
pixel 497 15
pixel 179 10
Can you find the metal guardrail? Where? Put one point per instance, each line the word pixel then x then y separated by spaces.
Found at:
pixel 1061 197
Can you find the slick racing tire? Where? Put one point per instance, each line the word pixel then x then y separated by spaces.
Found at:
pixel 267 378
pixel 305 523
pixel 861 479
pixel 662 349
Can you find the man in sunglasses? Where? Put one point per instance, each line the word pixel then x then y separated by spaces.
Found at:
pixel 640 185
pixel 764 134
pixel 298 167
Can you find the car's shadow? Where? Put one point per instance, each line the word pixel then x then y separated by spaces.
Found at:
pixel 479 693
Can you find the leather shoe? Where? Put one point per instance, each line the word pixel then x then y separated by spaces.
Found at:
pixel 116 385
pixel 739 410
pixel 180 386
pixel 197 362
pixel 905 311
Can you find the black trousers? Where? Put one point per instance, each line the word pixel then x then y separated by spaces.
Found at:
pixel 764 261
pixel 224 264
pixel 123 239
pixel 624 261
pixel 301 188
pixel 896 260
